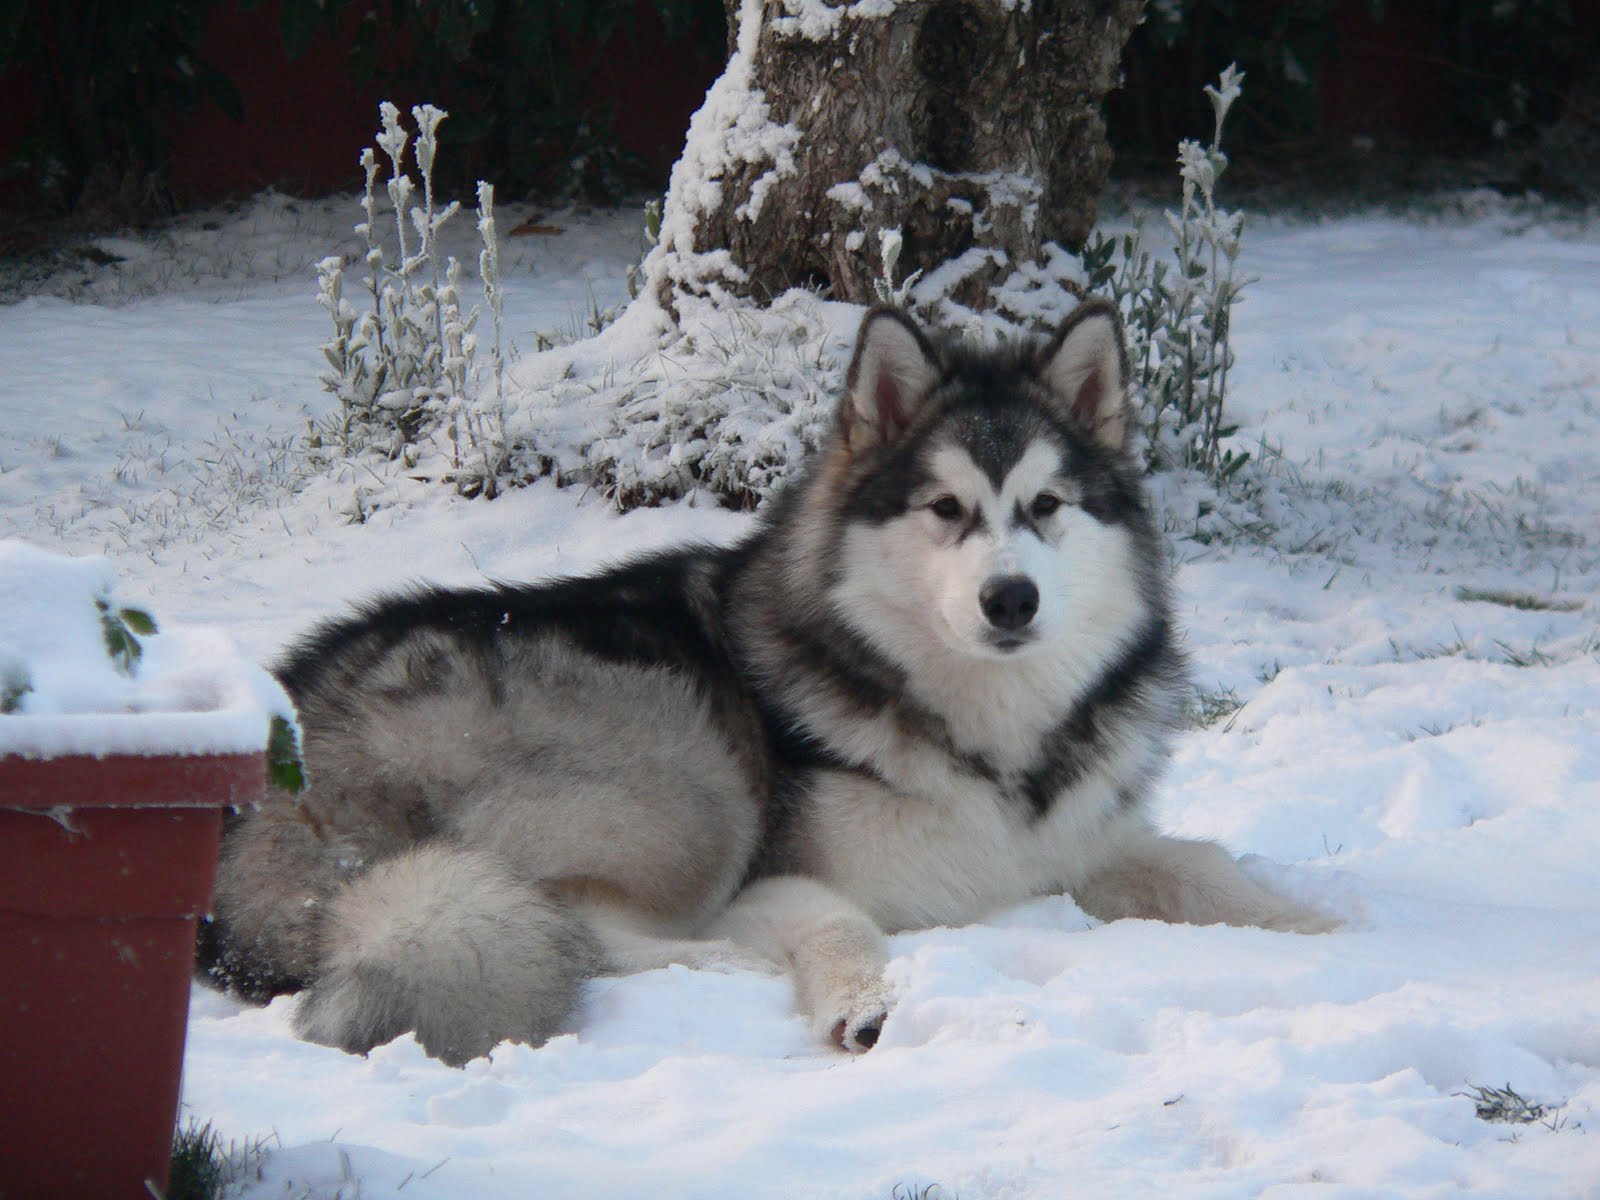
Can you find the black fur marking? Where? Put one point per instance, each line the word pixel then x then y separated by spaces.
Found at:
pixel 642 613
pixel 852 669
pixel 1108 491
pixel 994 424
pixel 885 493
pixel 1074 745
pixel 847 668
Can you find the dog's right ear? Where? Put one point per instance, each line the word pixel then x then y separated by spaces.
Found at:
pixel 894 369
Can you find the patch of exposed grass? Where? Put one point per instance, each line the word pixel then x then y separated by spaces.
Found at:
pixel 1525 601
pixel 1530 656
pixel 1505 1106
pixel 1215 704
pixel 1454 649
pixel 200 1167
pixel 203 1168
pixel 1509 653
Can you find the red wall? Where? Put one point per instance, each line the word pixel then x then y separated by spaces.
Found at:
pixel 1383 78
pixel 305 123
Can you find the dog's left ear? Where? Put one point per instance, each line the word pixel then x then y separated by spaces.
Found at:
pixel 1086 367
pixel 894 369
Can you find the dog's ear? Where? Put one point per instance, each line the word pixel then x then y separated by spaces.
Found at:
pixel 1086 367
pixel 894 369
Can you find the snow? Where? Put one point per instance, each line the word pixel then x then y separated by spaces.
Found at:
pixel 164 691
pixel 1409 748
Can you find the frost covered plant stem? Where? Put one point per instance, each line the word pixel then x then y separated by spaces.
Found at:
pixel 1178 311
pixel 408 366
pixel 891 242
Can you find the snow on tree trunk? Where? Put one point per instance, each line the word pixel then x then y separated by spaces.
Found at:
pixel 971 127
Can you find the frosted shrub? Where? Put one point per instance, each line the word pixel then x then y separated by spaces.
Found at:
pixel 406 364
pixel 1178 310
pixel 723 406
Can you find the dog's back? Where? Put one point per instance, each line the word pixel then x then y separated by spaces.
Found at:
pixel 483 762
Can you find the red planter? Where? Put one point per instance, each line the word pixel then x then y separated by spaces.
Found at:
pixel 105 866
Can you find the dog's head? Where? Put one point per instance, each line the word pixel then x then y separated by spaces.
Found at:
pixel 987 497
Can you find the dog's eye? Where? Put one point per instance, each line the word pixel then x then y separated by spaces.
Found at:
pixel 1045 503
pixel 946 508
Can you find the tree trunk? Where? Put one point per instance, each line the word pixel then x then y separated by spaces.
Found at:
pixel 971 127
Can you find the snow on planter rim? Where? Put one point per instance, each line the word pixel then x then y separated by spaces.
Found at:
pixel 66 692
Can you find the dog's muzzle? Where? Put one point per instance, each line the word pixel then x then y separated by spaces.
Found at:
pixel 1009 602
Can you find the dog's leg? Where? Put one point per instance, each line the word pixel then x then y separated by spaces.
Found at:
pixel 1194 883
pixel 835 951
pixel 628 948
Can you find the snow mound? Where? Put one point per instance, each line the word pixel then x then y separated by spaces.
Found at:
pixel 725 402
pixel 81 673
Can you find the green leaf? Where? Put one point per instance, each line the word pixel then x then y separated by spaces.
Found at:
pixel 1231 464
pixel 138 620
pixel 12 689
pixel 286 770
pixel 122 647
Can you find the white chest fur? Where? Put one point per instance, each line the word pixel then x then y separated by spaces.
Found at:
pixel 950 857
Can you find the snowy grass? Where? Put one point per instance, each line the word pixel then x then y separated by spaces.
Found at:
pixel 1504 1105
pixel 200 1167
pixel 204 1167
pixel 1396 628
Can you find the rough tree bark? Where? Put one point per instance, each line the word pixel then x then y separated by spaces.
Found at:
pixel 972 127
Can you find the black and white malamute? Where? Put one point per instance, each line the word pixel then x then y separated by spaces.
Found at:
pixel 938 678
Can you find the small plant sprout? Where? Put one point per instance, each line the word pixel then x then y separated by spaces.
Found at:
pixel 891 242
pixel 14 685
pixel 122 628
pixel 652 235
pixel 1178 311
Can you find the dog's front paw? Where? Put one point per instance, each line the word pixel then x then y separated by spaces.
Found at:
pixel 854 1019
pixel 727 957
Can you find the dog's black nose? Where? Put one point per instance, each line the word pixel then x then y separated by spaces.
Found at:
pixel 1010 601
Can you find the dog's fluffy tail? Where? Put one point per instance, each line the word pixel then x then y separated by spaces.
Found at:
pixel 447 943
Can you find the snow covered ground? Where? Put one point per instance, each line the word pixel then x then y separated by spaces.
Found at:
pixel 1402 676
